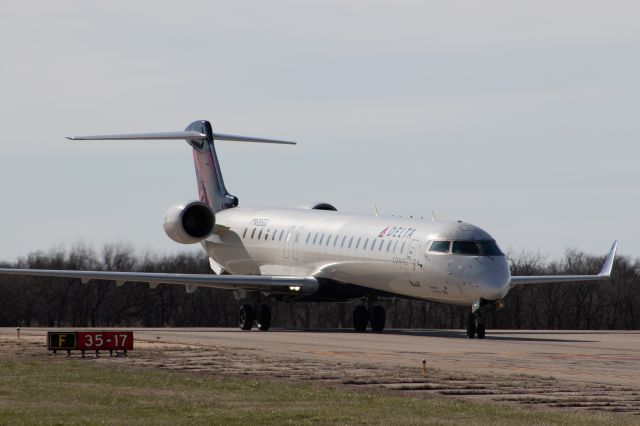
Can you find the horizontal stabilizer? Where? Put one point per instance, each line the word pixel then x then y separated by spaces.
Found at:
pixel 142 136
pixel 184 135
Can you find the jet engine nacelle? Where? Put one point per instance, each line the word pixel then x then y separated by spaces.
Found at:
pixel 319 205
pixel 189 223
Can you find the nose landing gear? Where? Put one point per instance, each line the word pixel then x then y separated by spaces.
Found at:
pixel 475 326
pixel 475 322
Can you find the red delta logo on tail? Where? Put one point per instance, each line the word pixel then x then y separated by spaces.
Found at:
pixel 384 231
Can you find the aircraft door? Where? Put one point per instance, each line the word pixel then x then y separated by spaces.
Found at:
pixel 288 242
pixel 295 252
pixel 415 259
pixel 292 242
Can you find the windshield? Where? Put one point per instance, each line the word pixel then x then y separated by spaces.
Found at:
pixel 490 248
pixel 476 248
pixel 466 247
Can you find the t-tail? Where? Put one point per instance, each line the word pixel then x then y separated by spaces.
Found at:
pixel 201 137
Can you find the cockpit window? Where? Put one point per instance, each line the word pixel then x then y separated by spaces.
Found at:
pixel 476 248
pixel 490 248
pixel 466 247
pixel 440 247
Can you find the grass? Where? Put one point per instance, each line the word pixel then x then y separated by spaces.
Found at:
pixel 81 392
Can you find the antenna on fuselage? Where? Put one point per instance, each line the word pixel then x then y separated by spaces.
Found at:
pixel 433 215
pixel 375 211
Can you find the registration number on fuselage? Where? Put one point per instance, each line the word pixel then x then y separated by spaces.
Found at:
pixel 260 221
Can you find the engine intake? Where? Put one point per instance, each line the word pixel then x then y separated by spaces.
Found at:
pixel 190 223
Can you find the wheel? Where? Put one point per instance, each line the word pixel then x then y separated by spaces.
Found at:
pixel 264 317
pixel 378 318
pixel 480 330
pixel 471 328
pixel 246 316
pixel 360 318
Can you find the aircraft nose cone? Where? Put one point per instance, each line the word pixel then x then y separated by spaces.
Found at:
pixel 494 280
pixel 494 286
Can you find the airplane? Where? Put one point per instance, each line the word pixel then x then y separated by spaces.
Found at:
pixel 317 253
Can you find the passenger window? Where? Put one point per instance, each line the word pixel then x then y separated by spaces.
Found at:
pixel 395 245
pixel 358 243
pixel 466 247
pixel 244 234
pixel 402 248
pixel 440 247
pixel 366 243
pixel 335 242
pixel 273 237
pixel 350 242
pixel 281 235
pixel 388 246
pixel 381 245
pixel 259 234
pixel 343 240
pixel 266 235
pixel 253 233
pixel 373 244
pixel 328 240
pixel 321 239
pixel 315 238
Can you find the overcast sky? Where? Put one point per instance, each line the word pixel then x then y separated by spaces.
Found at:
pixel 520 117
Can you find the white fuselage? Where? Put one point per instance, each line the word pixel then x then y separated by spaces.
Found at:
pixel 386 254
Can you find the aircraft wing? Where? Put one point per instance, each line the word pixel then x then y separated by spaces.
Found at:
pixel 266 283
pixel 604 274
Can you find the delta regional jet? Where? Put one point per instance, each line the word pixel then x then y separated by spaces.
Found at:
pixel 319 254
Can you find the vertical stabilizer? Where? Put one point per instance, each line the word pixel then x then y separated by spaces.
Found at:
pixel 211 187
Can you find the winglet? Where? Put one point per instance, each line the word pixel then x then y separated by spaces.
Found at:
pixel 608 263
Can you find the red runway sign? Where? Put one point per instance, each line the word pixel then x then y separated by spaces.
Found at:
pixel 90 341
pixel 104 340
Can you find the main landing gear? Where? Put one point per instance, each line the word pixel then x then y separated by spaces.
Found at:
pixel 248 315
pixel 362 317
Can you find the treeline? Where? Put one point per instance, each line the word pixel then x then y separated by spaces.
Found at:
pixel 55 302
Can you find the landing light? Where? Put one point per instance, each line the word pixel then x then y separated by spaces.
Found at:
pixel 294 287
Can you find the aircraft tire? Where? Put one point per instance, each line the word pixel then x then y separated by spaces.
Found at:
pixel 264 317
pixel 378 318
pixel 471 328
pixel 246 317
pixel 360 318
pixel 480 330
